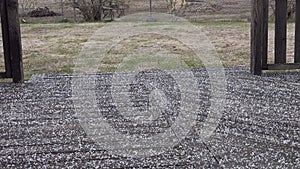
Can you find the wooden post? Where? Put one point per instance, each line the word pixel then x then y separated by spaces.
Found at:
pixel 5 37
pixel 297 33
pixel 265 33
pixel 12 40
pixel 259 35
pixel 280 31
pixel 62 9
pixel 74 11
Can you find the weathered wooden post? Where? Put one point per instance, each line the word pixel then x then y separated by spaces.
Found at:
pixel 265 30
pixel 297 33
pixel 259 36
pixel 12 46
pixel 280 31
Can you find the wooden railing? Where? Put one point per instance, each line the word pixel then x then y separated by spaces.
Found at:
pixel 259 37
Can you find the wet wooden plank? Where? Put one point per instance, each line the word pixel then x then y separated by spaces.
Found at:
pixel 287 66
pixel 6 43
pixel 259 35
pixel 14 40
pixel 297 33
pixel 280 31
pixel 3 75
pixel 265 35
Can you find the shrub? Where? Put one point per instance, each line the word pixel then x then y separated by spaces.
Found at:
pixel 96 10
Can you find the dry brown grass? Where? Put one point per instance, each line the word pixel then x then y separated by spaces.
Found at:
pixel 232 41
pixel 51 48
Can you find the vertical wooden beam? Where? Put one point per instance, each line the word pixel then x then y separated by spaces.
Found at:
pixel 280 31
pixel 265 33
pixel 256 23
pixel 258 35
pixel 5 39
pixel 14 36
pixel 297 33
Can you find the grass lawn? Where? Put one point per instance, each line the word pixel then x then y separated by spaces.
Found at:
pixel 51 48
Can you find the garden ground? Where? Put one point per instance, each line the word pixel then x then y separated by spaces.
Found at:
pixel 51 48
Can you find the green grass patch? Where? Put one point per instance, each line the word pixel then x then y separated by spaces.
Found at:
pixel 221 23
pixel 107 69
pixel 242 54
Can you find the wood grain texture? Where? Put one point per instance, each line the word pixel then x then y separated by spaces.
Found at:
pixel 12 40
pixel 280 31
